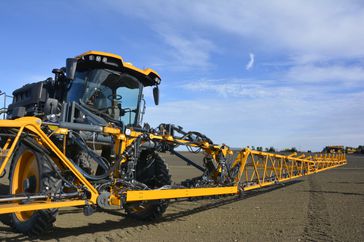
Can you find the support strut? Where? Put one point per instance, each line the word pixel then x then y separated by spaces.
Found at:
pixel 190 162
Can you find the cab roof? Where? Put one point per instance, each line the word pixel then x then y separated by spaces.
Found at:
pixel 148 76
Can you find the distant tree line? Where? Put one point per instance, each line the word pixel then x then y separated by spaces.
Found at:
pixel 260 148
pixel 272 149
pixel 327 149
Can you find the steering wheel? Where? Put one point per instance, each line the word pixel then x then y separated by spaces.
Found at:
pixel 116 97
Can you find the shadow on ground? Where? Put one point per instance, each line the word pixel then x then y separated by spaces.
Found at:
pixel 125 222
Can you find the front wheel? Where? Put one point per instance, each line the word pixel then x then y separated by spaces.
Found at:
pixel 30 174
pixel 152 171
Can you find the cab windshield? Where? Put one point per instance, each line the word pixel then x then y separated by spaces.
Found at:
pixel 114 94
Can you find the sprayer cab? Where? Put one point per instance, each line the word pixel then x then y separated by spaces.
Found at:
pixel 100 82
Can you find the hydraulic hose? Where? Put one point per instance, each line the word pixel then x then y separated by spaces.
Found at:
pixel 97 159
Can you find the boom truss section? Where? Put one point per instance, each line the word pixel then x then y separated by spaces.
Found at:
pixel 221 172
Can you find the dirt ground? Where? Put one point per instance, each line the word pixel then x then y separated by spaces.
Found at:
pixel 328 206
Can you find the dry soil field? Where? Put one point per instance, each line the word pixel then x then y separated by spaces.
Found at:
pixel 328 206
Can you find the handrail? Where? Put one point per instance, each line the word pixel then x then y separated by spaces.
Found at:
pixel 4 109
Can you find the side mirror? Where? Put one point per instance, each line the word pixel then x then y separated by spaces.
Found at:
pixel 156 95
pixel 71 64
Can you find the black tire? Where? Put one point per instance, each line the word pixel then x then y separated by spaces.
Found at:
pixel 152 171
pixel 40 221
pixel 4 218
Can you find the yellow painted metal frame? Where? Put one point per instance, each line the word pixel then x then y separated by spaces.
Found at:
pixel 34 125
pixel 15 207
pixel 133 196
pixel 254 169
pixel 259 169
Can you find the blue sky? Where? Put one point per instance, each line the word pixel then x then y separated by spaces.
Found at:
pixel 262 73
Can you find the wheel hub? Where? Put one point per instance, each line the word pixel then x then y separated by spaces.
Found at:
pixel 30 184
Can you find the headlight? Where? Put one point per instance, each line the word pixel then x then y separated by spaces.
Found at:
pixel 157 80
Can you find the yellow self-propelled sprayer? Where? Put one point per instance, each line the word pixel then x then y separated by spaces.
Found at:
pixel 78 140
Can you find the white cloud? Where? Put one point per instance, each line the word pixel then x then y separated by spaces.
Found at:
pixel 305 42
pixel 251 62
pixel 239 88
pixel 326 29
pixel 189 52
pixel 240 113
pixel 344 75
pixel 308 123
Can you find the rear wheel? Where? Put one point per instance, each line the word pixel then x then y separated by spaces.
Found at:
pixel 152 171
pixel 31 173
